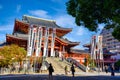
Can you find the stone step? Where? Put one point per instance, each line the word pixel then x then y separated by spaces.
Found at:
pixel 59 65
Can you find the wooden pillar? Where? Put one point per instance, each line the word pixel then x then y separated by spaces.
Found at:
pixel 60 47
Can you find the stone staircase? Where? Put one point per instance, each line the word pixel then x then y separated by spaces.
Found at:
pixel 80 66
pixel 64 63
pixel 59 65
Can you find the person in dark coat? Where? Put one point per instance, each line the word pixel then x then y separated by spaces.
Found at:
pixel 112 71
pixel 51 70
pixel 72 70
pixel 106 68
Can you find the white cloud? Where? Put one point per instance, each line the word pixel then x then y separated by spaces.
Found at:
pixel 1 6
pixel 5 29
pixel 2 37
pixel 65 21
pixel 8 27
pixel 18 8
pixel 39 13
pixel 81 31
pixel 68 21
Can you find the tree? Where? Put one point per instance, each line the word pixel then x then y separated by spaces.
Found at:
pixel 10 54
pixel 85 61
pixel 117 63
pixel 90 13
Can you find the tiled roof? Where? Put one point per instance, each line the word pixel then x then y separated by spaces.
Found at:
pixel 87 45
pixel 67 41
pixel 40 21
pixel 19 35
pixel 25 37
pixel 70 42
pixel 78 51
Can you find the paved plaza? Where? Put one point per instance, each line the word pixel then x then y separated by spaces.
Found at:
pixel 80 76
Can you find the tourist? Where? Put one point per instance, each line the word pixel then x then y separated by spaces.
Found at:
pixel 51 70
pixel 106 68
pixel 112 70
pixel 72 70
pixel 66 70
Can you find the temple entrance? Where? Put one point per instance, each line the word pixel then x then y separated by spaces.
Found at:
pixel 56 53
pixel 49 53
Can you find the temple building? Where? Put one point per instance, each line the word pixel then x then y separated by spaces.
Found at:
pixel 62 47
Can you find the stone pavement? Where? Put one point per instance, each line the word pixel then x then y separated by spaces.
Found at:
pixel 80 76
pixel 57 77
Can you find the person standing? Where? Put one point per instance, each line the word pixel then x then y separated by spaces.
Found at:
pixel 106 68
pixel 112 70
pixel 72 70
pixel 66 70
pixel 51 70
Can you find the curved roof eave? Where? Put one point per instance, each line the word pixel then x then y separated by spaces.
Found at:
pixel 16 37
pixel 59 28
pixel 68 42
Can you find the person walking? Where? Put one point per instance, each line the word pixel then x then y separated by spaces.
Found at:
pixel 51 70
pixel 66 70
pixel 72 70
pixel 112 70
pixel 106 68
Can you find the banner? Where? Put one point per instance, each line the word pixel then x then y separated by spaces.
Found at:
pixel 46 36
pixel 93 47
pixel 31 40
pixel 29 43
pixel 100 50
pixel 39 41
pixel 53 41
pixel 34 40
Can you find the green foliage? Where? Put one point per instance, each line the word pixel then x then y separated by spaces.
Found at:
pixel 85 61
pixel 90 13
pixel 90 62
pixel 117 63
pixel 39 59
pixel 10 54
pixel 116 32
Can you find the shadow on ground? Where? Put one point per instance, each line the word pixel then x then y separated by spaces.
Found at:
pixel 55 77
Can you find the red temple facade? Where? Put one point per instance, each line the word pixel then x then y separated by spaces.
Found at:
pixel 62 46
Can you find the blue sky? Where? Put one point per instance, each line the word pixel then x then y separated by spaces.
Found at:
pixel 48 9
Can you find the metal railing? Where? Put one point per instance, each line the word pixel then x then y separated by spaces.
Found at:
pixel 77 64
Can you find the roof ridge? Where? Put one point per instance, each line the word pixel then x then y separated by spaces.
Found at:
pixel 39 18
